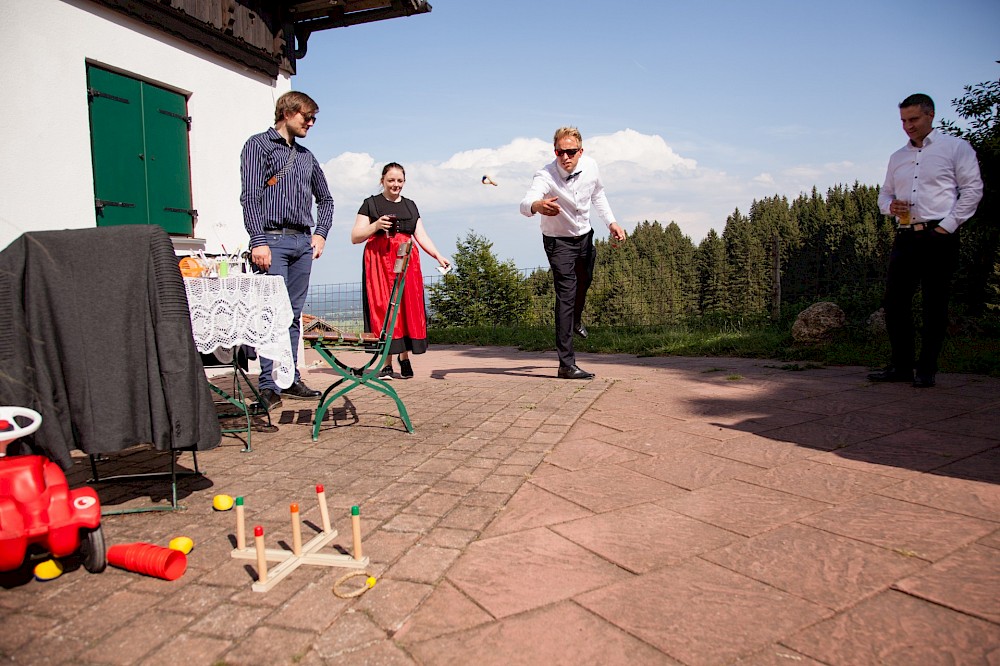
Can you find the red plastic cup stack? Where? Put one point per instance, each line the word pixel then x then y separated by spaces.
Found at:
pixel 149 559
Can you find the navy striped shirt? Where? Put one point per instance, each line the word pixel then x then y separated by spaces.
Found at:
pixel 288 203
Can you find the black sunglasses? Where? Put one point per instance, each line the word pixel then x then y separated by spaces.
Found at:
pixel 308 117
pixel 568 151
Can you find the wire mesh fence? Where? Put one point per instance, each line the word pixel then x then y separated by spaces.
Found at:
pixel 341 305
pixel 623 299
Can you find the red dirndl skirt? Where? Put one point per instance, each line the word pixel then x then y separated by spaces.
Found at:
pixel 410 333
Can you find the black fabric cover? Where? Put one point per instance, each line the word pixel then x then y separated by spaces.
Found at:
pixel 98 341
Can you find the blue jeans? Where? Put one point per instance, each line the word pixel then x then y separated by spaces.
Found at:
pixel 291 258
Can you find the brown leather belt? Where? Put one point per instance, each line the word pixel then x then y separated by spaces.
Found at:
pixel 920 226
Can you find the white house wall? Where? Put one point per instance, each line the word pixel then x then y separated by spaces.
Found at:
pixel 46 174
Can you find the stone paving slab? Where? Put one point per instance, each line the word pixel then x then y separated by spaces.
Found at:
pixel 672 511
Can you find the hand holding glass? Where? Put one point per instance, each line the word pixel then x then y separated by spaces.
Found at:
pixel 903 218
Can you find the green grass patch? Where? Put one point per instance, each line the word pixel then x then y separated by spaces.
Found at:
pixel 978 354
pixel 797 367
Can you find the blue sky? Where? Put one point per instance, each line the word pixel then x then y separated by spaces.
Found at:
pixel 692 109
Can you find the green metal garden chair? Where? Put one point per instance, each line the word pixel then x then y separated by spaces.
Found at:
pixel 376 346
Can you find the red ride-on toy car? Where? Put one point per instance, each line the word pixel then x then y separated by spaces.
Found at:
pixel 38 512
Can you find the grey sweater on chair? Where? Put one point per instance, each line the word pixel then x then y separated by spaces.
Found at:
pixel 98 341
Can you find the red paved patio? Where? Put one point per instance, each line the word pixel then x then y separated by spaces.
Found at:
pixel 672 511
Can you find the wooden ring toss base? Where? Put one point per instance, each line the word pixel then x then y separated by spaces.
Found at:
pixel 301 553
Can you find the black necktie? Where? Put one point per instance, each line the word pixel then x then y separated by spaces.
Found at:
pixel 572 176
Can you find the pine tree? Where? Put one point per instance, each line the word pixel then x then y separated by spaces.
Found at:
pixel 683 291
pixel 480 290
pixel 749 282
pixel 543 298
pixel 978 273
pixel 713 275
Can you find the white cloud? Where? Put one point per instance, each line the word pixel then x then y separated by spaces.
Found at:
pixel 348 169
pixel 645 178
pixel 802 178
pixel 518 151
pixel 650 152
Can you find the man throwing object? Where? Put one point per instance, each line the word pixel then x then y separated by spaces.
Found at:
pixel 563 192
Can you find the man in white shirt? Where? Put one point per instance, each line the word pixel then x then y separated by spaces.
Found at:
pixel 563 192
pixel 932 186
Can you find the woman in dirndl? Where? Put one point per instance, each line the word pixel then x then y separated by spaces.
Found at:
pixel 385 221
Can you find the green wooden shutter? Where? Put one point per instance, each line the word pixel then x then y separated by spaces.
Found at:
pixel 168 171
pixel 116 145
pixel 139 146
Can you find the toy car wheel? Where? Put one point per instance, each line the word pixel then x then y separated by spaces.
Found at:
pixel 92 550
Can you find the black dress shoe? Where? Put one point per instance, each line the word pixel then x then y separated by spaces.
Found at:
pixel 891 374
pixel 580 330
pixel 269 400
pixel 574 372
pixel 923 381
pixel 301 391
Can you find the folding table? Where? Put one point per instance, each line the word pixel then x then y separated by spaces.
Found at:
pixel 242 309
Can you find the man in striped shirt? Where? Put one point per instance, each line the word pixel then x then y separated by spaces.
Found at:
pixel 281 179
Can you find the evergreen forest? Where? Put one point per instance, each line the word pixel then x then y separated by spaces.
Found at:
pixel 770 261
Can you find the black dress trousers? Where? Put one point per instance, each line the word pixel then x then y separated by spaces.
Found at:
pixel 925 259
pixel 572 262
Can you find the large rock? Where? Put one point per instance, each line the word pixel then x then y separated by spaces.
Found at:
pixel 818 322
pixel 876 322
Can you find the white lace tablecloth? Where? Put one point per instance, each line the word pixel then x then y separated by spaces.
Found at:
pixel 239 310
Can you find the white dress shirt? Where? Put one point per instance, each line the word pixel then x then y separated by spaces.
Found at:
pixel 576 192
pixel 940 180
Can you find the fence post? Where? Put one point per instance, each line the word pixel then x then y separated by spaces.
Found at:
pixel 776 278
